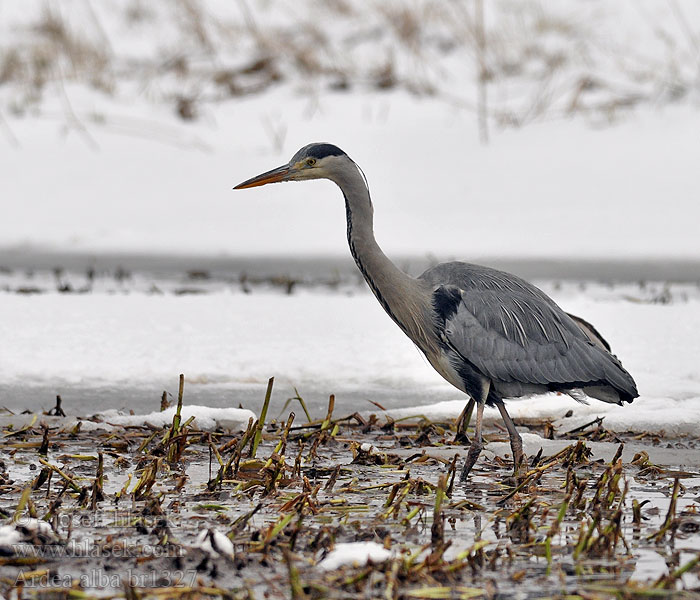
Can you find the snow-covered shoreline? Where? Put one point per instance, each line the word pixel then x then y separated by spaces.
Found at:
pixel 92 170
pixel 229 343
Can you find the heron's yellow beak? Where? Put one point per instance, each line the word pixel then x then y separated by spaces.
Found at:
pixel 278 174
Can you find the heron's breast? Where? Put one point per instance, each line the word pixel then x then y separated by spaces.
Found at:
pixel 440 361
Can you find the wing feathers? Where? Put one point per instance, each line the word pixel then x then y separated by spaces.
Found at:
pixel 513 332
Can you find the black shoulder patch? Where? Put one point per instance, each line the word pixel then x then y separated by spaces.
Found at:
pixel 446 299
pixel 322 150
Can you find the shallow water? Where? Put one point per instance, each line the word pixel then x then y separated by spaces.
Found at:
pixel 319 268
pixel 125 540
pixel 85 399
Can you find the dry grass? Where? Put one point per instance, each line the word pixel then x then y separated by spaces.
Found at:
pixel 535 60
pixel 126 505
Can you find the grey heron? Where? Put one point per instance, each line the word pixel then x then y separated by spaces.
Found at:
pixel 490 334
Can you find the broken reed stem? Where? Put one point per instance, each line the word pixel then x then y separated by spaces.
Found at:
pixel 451 474
pixel 247 436
pixel 23 500
pixel 666 581
pixel 586 535
pixel 554 529
pixel 148 478
pixel 215 451
pixel 67 478
pixel 166 444
pixel 329 415
pixel 230 469
pixel 437 531
pixel 148 440
pixel 261 420
pixel 618 454
pixel 97 486
pixel 597 421
pixel 295 587
pixel 670 515
pixel 176 444
pixel 299 399
pixel 282 444
pixel 175 429
pixel 463 421
pixel 44 448
pixel 391 580
pixel 43 477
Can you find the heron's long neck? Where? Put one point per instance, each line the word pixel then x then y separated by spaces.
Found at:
pixel 402 296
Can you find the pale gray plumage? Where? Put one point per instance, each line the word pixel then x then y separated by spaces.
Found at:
pixel 517 336
pixel 489 333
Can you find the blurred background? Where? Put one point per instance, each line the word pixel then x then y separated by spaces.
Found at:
pixel 559 140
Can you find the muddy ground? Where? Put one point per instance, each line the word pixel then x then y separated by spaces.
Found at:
pixel 592 516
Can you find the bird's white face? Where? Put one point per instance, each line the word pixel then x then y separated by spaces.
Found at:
pixel 319 160
pixel 308 167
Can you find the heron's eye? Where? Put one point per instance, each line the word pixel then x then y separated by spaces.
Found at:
pixel 311 161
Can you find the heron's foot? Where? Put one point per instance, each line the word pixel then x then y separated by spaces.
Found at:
pixel 472 456
pixel 519 458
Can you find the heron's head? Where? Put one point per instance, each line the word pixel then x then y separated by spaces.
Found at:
pixel 315 161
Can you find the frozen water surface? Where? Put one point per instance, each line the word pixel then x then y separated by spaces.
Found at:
pixel 108 343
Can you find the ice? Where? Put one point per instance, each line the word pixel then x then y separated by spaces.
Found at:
pixel 322 343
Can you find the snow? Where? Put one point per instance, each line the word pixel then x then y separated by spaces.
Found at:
pixel 357 554
pixel 214 543
pixel 205 418
pixel 672 418
pixel 35 525
pixel 17 535
pixel 521 196
pixel 94 172
pixel 9 535
pixel 95 169
pixel 320 343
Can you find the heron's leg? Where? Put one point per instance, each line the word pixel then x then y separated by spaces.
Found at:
pixel 463 422
pixel 516 442
pixel 477 443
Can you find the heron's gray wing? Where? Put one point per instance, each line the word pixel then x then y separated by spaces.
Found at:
pixel 512 332
pixel 590 330
pixel 517 338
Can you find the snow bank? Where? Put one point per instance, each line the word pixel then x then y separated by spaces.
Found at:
pixel 672 418
pixel 320 344
pixel 206 418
